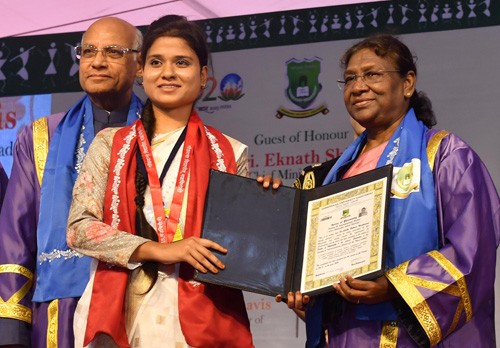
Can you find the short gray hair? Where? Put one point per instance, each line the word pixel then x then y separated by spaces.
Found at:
pixel 138 39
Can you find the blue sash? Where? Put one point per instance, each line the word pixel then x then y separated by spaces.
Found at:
pixel 62 272
pixel 413 226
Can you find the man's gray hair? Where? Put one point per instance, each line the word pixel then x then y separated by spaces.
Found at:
pixel 137 45
pixel 138 39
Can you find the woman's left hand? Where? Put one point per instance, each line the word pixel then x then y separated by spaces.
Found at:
pixel 267 180
pixel 365 291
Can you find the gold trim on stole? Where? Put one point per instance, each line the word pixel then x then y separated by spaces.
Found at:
pixel 52 321
pixel 406 286
pixel 434 285
pixel 309 181
pixel 459 278
pixel 11 308
pixel 416 301
pixel 40 145
pixel 296 184
pixel 456 317
pixel 389 335
pixel 465 300
pixel 433 146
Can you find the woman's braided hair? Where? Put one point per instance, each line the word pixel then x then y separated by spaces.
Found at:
pixel 192 34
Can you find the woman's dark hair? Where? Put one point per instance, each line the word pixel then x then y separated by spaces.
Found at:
pixel 180 27
pixel 193 35
pixel 388 46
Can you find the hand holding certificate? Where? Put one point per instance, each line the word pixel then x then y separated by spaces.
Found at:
pixel 289 239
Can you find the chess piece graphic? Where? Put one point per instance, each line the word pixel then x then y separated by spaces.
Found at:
pixel 74 67
pixel 471 4
pixel 374 14
pixel 230 35
pixel 390 19
pixel 434 15
pixel 4 55
pixel 296 20
pixel 487 9
pixel 348 21
pixel 253 26
pixel 324 24
pixel 460 10
pixel 282 28
pixel 336 25
pixel 243 33
pixel 3 51
pixel 447 14
pixel 404 10
pixel 24 56
pixel 266 24
pixel 359 16
pixel 218 38
pixel 312 22
pixel 422 8
pixel 208 33
pixel 51 69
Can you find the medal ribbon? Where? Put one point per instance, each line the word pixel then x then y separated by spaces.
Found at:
pixel 165 228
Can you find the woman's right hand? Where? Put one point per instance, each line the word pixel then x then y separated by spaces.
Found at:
pixel 193 250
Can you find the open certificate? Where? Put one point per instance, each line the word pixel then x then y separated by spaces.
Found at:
pixel 344 235
pixel 289 239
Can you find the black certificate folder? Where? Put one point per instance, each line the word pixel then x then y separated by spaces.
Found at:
pixel 289 239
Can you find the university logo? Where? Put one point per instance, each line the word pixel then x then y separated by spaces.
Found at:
pixel 303 84
pixel 303 88
pixel 406 179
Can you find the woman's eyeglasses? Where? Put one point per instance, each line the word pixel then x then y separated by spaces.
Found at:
pixel 368 78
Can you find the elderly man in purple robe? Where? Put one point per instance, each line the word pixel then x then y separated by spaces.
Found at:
pixel 41 278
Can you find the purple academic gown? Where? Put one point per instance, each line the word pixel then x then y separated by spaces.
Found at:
pixel 3 184
pixel 469 224
pixel 18 247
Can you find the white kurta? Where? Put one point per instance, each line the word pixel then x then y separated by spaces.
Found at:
pixel 152 318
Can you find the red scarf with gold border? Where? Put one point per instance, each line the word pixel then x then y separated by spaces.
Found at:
pixel 210 316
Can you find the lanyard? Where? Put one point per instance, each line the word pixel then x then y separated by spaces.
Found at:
pixel 165 229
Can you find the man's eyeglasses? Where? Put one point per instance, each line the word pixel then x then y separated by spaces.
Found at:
pixel 368 78
pixel 113 51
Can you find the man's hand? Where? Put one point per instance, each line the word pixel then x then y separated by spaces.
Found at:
pixel 267 180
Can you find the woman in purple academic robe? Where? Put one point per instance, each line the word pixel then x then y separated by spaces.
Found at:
pixel 443 221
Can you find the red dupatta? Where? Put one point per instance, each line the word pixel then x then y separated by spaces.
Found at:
pixel 210 316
